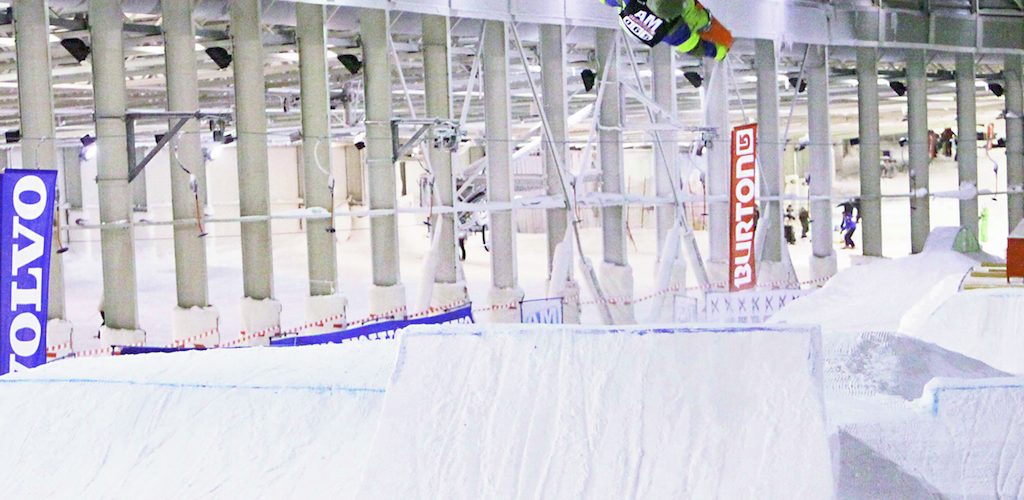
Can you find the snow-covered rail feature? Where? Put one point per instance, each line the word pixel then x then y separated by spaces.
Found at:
pixel 578 412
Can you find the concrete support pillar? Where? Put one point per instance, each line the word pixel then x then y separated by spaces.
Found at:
pixel 355 178
pixel 186 151
pixel 120 300
pixel 260 311
pixel 616 273
pixel 666 164
pixel 917 140
pixel 1014 139
pixel 319 192
pixel 38 148
pixel 823 259
pixel 388 294
pixel 870 152
pixel 35 103
pixel 505 293
pixel 556 107
pixel 719 158
pixel 316 146
pixel 448 288
pixel 769 153
pixel 72 177
pixel 140 201
pixel 967 138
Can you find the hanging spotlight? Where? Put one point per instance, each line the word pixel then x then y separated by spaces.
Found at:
pixel 803 143
pixel 898 87
pixel 694 78
pixel 903 141
pixel 996 89
pixel 589 79
pixel 795 82
pixel 76 47
pixel 88 150
pixel 12 136
pixel 220 56
pixel 350 62
pixel 212 152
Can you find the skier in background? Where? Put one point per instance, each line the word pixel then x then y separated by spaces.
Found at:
pixel 683 24
pixel 805 222
pixel 848 227
pixel 983 226
pixel 788 226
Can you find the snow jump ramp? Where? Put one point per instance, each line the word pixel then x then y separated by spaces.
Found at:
pixel 616 413
pixel 965 441
pixel 228 423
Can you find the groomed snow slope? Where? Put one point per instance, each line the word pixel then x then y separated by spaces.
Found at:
pixel 876 296
pixel 889 364
pixel 564 412
pixel 965 439
pixel 984 324
pixel 243 423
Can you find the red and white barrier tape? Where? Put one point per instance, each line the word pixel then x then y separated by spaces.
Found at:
pixel 192 340
pixel 394 314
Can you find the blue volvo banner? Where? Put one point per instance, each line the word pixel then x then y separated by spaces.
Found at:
pixel 26 228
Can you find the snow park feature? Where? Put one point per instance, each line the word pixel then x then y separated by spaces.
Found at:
pixel 445 411
pixel 919 389
pixel 227 423
pixel 964 439
pixel 578 412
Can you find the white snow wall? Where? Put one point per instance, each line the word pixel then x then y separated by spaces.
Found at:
pixel 577 412
pixel 967 440
pixel 230 423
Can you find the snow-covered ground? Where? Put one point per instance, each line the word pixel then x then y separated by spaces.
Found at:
pixel 230 423
pixel 570 412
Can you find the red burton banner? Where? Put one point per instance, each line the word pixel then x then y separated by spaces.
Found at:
pixel 743 200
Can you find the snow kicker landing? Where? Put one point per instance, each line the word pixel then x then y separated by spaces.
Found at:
pixel 229 423
pixel 966 442
pixel 578 412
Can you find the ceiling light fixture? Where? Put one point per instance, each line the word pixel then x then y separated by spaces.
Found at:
pixel 898 87
pixel 589 79
pixel 694 78
pixel 219 56
pixel 76 47
pixel 351 63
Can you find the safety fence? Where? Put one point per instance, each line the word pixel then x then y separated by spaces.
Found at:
pixel 548 310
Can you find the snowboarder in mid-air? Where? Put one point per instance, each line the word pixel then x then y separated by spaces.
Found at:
pixel 683 24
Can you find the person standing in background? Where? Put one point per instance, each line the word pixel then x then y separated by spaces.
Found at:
pixel 788 227
pixel 983 226
pixel 805 222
